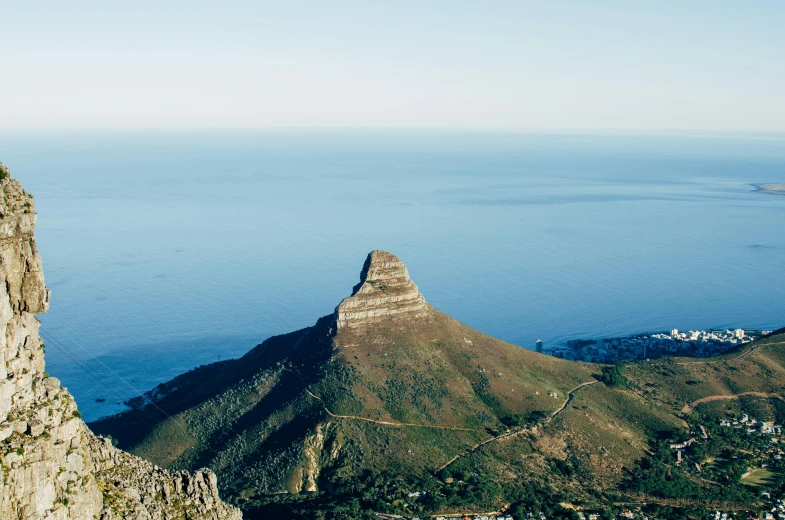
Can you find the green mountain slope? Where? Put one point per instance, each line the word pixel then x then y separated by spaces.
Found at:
pixel 387 385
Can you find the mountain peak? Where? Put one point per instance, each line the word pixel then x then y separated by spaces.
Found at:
pixel 385 290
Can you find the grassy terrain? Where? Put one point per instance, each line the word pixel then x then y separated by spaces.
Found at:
pixel 676 383
pixel 319 410
pixel 759 477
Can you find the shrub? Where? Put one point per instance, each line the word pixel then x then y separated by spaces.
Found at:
pixel 613 377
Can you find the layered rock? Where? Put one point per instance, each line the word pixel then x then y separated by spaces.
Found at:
pixel 385 290
pixel 53 467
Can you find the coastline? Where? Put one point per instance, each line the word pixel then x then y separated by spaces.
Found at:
pixel 700 344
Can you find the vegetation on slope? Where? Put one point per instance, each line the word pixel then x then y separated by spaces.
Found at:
pixel 357 417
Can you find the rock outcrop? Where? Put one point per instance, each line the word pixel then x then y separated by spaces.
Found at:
pixel 385 290
pixel 53 467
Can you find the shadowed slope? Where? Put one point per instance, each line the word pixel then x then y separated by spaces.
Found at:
pixel 389 385
pixel 385 362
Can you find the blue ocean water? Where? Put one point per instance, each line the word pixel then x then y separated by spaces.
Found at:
pixel 165 251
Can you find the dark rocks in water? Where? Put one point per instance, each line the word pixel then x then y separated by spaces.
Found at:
pixel 772 188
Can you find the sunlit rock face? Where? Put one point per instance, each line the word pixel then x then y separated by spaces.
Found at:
pixel 385 290
pixel 53 467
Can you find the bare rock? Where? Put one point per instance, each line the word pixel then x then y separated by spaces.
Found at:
pixel 35 429
pixel 385 290
pixel 55 468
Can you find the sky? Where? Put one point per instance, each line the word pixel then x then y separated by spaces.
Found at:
pixel 641 65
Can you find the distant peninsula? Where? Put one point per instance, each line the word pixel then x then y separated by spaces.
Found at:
pixel 775 189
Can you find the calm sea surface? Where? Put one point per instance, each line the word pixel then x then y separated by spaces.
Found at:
pixel 165 251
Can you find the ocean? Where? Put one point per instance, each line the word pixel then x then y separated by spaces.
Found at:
pixel 168 250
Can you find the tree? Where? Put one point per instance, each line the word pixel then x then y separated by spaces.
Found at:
pixel 613 377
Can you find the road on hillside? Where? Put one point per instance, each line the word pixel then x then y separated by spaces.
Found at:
pixel 688 408
pixel 740 356
pixel 385 423
pixel 511 434
pixel 570 395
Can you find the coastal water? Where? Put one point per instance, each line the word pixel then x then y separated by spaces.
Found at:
pixel 165 251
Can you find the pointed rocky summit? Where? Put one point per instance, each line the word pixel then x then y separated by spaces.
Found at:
pixel 390 390
pixel 385 289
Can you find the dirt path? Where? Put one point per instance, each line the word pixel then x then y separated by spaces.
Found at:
pixel 386 516
pixel 366 419
pixel 514 433
pixel 570 395
pixel 688 408
pixel 643 500
pixel 740 356
pixel 385 423
pixel 756 347
pixel 506 435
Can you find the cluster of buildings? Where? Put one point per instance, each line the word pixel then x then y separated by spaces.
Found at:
pixel 776 512
pixel 753 426
pixel 776 508
pixel 694 343
pixel 621 514
pixel 478 517
pixel 631 514
pixel 383 516
pixel 746 423
pixel 680 447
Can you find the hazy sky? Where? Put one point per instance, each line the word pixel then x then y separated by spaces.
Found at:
pixel 549 65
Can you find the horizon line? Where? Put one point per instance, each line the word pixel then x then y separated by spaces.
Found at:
pixel 756 134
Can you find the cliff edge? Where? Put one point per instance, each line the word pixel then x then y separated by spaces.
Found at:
pixel 52 466
pixel 385 291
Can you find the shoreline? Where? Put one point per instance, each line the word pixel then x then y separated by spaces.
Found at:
pixel 699 344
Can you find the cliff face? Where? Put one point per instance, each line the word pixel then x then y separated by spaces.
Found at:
pixel 53 467
pixel 385 291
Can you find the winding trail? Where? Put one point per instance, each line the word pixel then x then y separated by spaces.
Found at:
pixel 385 423
pixel 708 399
pixel 740 356
pixel 387 516
pixel 688 408
pixel 501 437
pixel 514 433
pixel 505 435
pixel 570 395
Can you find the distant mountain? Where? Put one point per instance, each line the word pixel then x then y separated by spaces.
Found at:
pixel 387 388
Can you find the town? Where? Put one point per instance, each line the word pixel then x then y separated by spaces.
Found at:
pixel 747 451
pixel 694 343
pixel 742 452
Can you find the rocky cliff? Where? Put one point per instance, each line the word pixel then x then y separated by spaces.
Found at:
pixel 385 290
pixel 53 467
